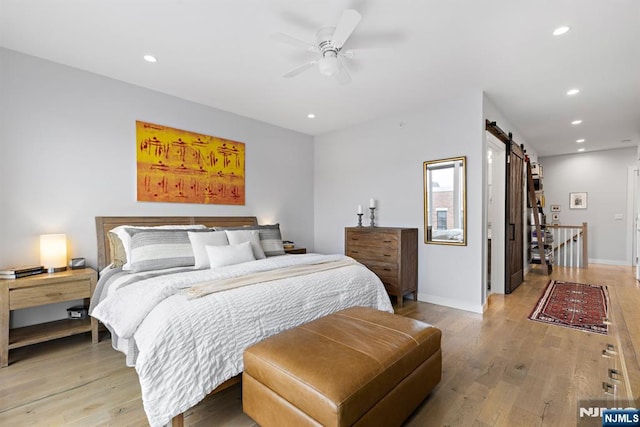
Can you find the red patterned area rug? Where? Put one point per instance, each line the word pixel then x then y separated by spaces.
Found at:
pixel 573 305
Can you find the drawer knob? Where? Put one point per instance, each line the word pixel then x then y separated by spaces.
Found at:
pixel 614 375
pixel 355 252
pixel 608 388
pixel 386 269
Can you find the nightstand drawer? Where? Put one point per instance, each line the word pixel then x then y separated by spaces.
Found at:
pixel 47 294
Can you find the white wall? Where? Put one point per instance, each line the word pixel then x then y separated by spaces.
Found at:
pixel 67 154
pixel 493 114
pixel 603 176
pixel 383 159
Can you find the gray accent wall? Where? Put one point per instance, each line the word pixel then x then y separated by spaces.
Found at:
pixel 67 154
pixel 603 175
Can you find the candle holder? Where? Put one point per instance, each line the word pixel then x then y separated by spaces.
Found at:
pixel 372 217
pixel 359 220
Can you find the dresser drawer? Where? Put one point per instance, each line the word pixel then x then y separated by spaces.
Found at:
pixel 392 289
pixel 364 253
pixel 388 273
pixel 378 240
pixel 47 294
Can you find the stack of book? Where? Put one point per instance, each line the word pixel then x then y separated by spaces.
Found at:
pixel 17 272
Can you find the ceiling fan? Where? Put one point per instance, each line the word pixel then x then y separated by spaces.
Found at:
pixel 328 48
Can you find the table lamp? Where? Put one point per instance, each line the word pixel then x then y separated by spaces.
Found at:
pixel 53 252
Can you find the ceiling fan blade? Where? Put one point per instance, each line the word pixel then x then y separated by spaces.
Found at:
pixel 348 22
pixel 284 38
pixel 373 53
pixel 301 68
pixel 343 77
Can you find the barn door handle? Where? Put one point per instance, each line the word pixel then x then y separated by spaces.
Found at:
pixel 513 231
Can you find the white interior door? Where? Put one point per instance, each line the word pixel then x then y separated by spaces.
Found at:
pixel 496 152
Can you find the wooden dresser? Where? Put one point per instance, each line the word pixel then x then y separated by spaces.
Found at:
pixel 390 252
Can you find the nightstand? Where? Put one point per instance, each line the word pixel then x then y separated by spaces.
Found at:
pixel 296 251
pixel 42 289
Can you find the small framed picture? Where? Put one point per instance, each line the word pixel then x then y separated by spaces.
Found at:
pixel 577 200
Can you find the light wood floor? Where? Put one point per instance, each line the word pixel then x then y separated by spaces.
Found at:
pixel 499 369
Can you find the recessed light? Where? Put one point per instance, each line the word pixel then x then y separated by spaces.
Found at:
pixel 150 58
pixel 579 141
pixel 561 30
pixel 576 122
pixel 571 92
pixel 311 116
pixel 580 150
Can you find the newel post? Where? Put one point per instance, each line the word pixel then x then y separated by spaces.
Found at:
pixel 585 245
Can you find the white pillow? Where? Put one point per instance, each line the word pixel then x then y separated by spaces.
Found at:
pixel 125 238
pixel 241 236
pixel 201 239
pixel 219 256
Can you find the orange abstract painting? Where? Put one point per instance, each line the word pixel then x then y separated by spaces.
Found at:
pixel 180 166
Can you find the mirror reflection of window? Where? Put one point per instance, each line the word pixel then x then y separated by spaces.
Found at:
pixel 442 219
pixel 444 182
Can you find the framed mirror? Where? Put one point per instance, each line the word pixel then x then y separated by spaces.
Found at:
pixel 445 201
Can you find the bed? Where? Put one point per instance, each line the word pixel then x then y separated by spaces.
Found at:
pixel 184 328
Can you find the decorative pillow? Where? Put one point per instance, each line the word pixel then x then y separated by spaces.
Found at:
pixel 201 239
pixel 116 251
pixel 270 237
pixel 125 238
pixel 240 236
pixel 159 249
pixel 219 256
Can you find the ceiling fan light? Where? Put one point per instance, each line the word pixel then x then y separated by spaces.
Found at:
pixel 328 65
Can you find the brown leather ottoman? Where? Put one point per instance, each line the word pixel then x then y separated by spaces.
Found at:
pixel 358 366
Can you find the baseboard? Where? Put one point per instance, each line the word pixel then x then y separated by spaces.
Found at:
pixel 609 262
pixel 448 302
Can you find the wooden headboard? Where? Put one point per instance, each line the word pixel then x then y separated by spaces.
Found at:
pixel 106 223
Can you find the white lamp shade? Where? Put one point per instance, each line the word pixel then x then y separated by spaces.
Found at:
pixel 53 251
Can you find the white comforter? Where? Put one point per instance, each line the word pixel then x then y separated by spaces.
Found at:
pixel 186 348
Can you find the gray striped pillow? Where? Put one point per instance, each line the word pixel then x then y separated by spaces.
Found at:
pixel 159 249
pixel 271 239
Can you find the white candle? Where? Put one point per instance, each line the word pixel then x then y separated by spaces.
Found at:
pixel 359 209
pixel 372 203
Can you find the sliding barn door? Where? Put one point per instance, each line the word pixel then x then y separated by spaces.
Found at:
pixel 514 206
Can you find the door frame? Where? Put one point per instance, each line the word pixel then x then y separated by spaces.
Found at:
pixel 498 183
